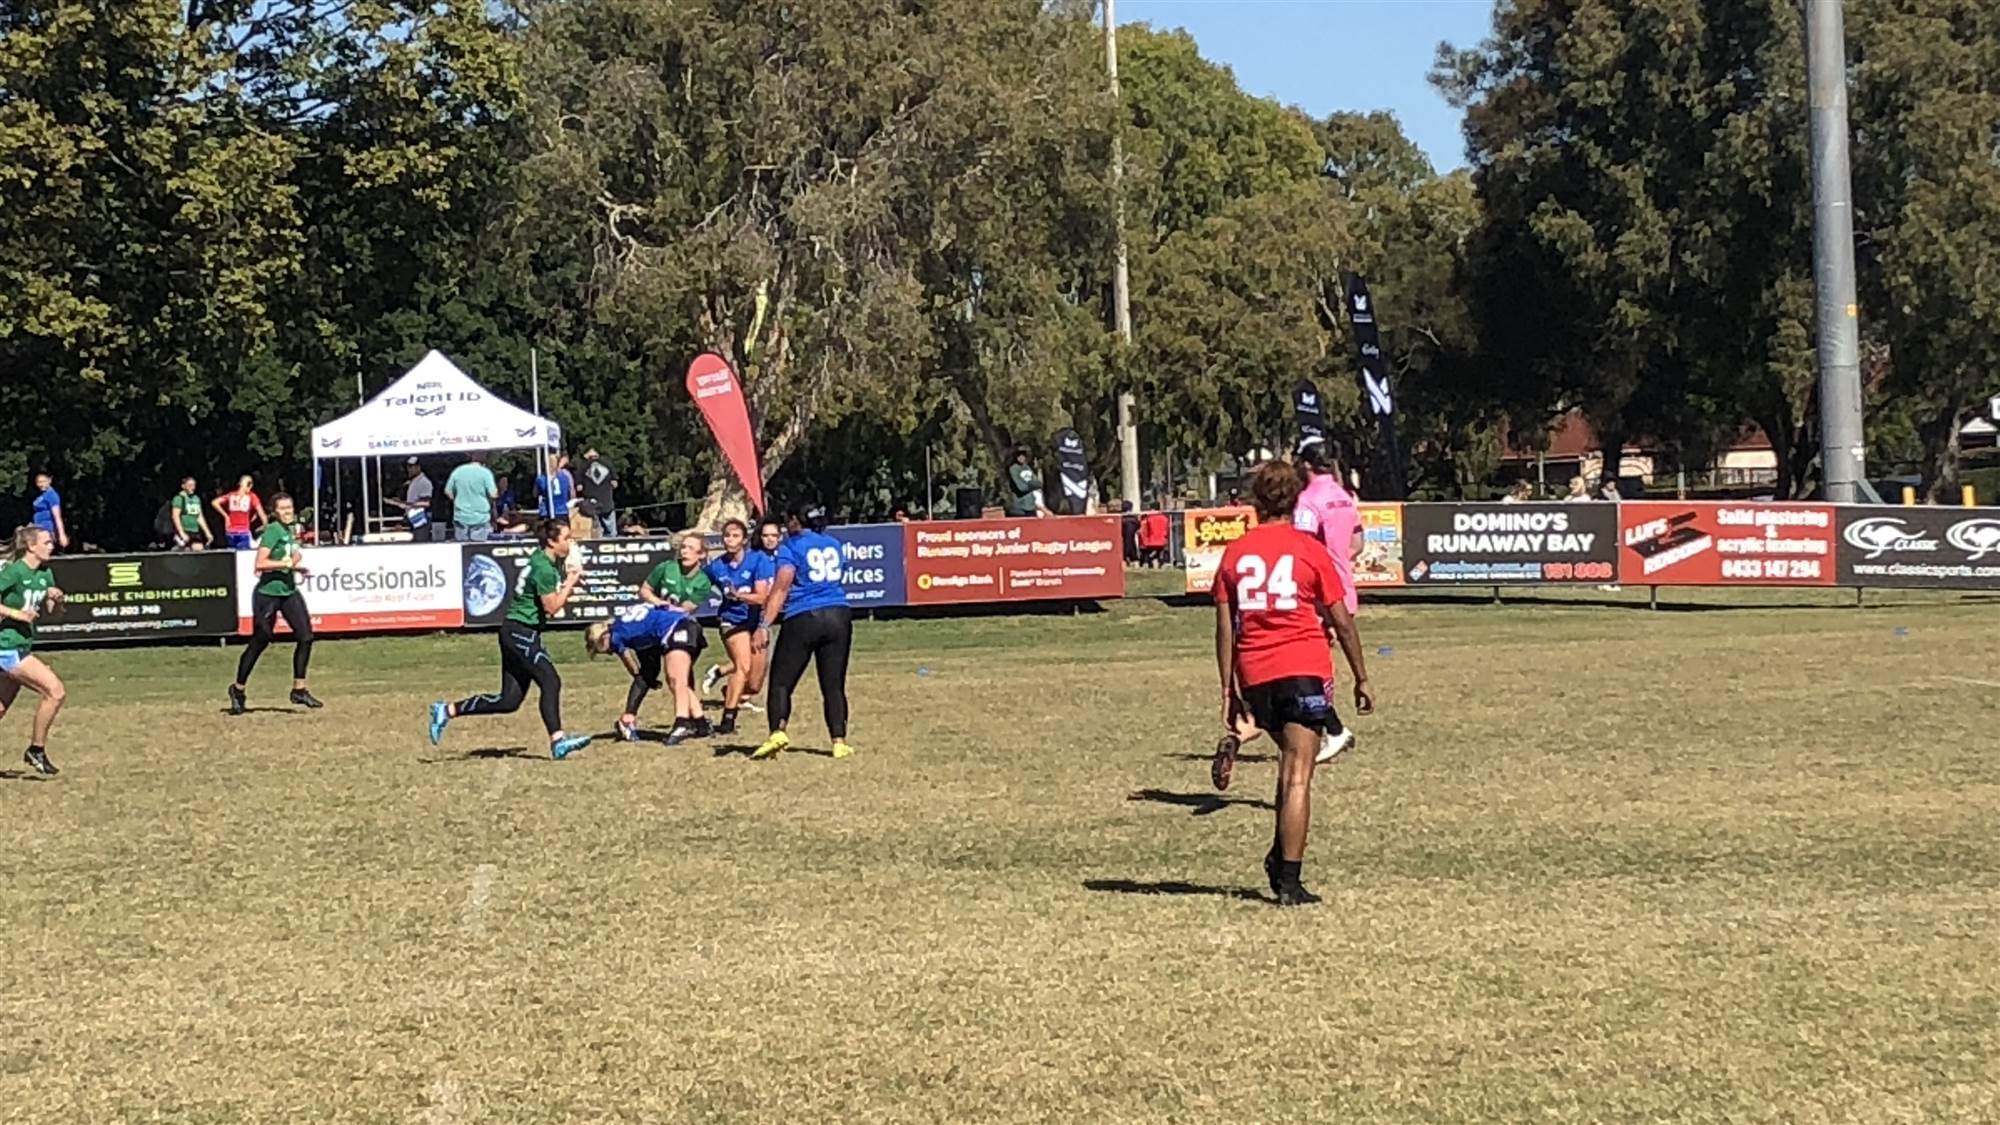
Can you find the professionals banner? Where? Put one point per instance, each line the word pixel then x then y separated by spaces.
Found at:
pixel 368 589
pixel 1014 560
pixel 1207 533
pixel 134 597
pixel 1380 562
pixel 1939 548
pixel 1708 544
pixel 1509 544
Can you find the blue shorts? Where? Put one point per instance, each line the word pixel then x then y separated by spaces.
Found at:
pixel 241 541
pixel 9 660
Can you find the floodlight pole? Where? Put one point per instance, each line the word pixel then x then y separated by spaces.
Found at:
pixel 1121 273
pixel 1843 451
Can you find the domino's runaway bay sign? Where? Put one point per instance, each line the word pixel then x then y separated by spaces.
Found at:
pixel 1453 543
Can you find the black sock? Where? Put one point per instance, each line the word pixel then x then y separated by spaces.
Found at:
pixel 1288 871
pixel 729 714
pixel 37 748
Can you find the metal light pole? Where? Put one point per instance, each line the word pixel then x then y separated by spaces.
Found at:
pixel 1842 450
pixel 1121 275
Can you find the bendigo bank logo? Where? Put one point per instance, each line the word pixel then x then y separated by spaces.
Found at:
pixel 1217 530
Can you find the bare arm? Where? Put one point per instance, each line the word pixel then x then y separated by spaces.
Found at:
pixel 757 595
pixel 62 531
pixel 631 661
pixel 265 562
pixel 1225 659
pixel 774 606
pixel 649 595
pixel 1349 636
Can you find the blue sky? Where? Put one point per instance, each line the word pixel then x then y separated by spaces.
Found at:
pixel 1326 55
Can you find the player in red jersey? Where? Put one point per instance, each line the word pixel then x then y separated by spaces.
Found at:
pixel 1276 595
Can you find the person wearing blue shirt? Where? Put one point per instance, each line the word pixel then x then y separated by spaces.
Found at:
pixel 556 489
pixel 646 638
pixel 808 597
pixel 48 510
pixel 743 578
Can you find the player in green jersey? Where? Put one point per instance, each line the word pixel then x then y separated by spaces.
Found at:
pixel 278 567
pixel 27 592
pixel 541 592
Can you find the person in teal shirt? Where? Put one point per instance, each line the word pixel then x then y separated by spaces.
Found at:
pixel 542 590
pixel 473 491
pixel 27 592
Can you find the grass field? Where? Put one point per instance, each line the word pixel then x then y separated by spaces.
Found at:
pixel 1589 864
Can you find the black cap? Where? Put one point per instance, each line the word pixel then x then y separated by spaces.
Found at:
pixel 814 517
pixel 1316 453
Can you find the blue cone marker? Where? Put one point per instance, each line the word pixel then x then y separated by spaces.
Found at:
pixel 1385 650
pixel 923 671
pixel 1902 632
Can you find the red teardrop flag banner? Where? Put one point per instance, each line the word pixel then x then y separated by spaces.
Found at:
pixel 715 390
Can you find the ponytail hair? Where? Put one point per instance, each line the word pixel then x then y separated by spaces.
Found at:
pixel 24 538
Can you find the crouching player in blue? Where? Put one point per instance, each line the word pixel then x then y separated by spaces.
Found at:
pixel 650 639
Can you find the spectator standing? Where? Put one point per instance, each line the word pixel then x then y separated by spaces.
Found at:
pixel 555 490
pixel 508 503
pixel 1153 536
pixel 1128 527
pixel 48 510
pixel 1521 493
pixel 416 501
pixel 600 487
pixel 1579 491
pixel 472 491
pixel 1024 487
pixel 191 531
pixel 237 507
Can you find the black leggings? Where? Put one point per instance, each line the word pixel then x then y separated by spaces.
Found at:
pixel 264 611
pixel 523 659
pixel 824 637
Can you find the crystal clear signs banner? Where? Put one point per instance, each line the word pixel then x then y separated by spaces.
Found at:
pixel 1014 560
pixel 1708 544
pixel 136 597
pixel 612 572
pixel 1942 548
pixel 1508 544
pixel 369 589
pixel 1207 533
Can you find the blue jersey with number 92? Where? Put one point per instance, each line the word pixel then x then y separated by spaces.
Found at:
pixel 815 558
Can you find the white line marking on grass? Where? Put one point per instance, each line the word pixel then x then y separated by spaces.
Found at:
pixel 501 775
pixel 446 1108
pixel 476 899
pixel 1973 683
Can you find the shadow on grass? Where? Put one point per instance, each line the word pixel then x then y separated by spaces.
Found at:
pixel 1171 887
pixel 267 710
pixel 22 775
pixel 485 754
pixel 1240 757
pixel 1202 804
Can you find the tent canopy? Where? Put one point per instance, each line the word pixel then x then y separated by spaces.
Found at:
pixel 433 408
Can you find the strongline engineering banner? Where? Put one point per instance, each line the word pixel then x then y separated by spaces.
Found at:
pixel 134 597
pixel 1509 544
pixel 1925 548
pixel 367 589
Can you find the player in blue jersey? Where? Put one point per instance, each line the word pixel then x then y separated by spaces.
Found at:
pixel 650 639
pixel 808 597
pixel 743 578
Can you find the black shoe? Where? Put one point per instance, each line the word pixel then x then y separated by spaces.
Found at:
pixel 702 727
pixel 303 698
pixel 238 702
pixel 679 733
pixel 38 760
pixel 1271 870
pixel 727 725
pixel 1296 895
pixel 1224 763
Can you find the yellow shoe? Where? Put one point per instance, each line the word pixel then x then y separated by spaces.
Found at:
pixel 779 740
pixel 841 749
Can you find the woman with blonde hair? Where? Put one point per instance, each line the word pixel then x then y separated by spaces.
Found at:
pixel 27 592
pixel 651 640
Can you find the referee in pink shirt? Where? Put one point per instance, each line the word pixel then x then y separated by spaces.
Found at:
pixel 1327 512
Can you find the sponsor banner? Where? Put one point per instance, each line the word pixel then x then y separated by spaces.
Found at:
pixel 874 572
pixel 612 572
pixel 1509 544
pixel 1380 562
pixel 1206 533
pixel 135 597
pixel 366 589
pixel 1014 560
pixel 1707 544
pixel 1955 548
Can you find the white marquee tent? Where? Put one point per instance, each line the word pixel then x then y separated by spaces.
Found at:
pixel 433 408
